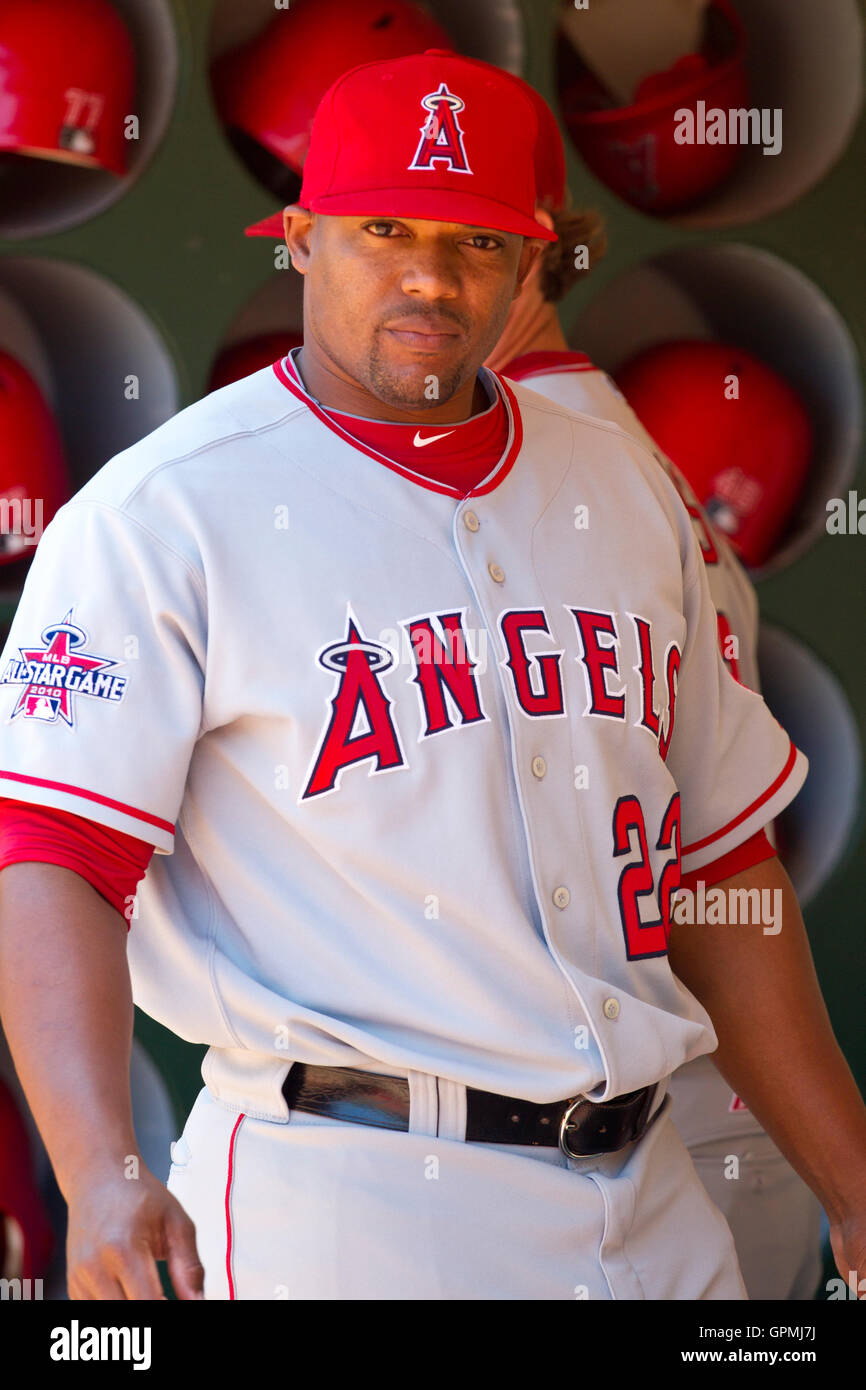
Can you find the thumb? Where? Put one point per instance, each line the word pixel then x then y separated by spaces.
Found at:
pixel 836 1247
pixel 184 1266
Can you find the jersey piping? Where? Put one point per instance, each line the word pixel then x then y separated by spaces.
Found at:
pixel 90 796
pixel 500 472
pixel 750 810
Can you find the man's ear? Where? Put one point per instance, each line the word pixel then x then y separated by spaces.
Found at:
pixel 529 259
pixel 532 251
pixel 297 226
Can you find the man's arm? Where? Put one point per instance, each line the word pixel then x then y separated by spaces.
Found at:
pixel 778 1052
pixel 66 1005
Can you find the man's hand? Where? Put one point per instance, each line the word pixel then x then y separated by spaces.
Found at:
pixel 66 1001
pixel 848 1243
pixel 777 1049
pixel 118 1229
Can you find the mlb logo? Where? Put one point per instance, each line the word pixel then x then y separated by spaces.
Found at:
pixel 736 1103
pixel 41 707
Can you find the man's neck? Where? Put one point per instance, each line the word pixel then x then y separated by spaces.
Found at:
pixel 336 391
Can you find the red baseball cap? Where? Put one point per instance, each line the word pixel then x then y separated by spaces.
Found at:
pixel 549 153
pixel 550 173
pixel 432 136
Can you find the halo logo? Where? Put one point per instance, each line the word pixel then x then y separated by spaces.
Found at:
pixel 441 135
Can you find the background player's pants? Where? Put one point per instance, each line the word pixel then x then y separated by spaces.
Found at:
pixel 776 1220
pixel 774 1217
pixel 321 1209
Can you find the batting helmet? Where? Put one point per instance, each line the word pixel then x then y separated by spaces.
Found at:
pixel 26 1235
pixel 634 149
pixel 244 358
pixel 267 90
pixel 736 429
pixel 67 80
pixel 33 471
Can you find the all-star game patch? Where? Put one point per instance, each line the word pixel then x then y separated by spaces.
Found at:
pixel 61 667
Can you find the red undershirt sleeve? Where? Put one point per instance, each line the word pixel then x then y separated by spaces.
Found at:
pixel 110 860
pixel 114 863
pixel 745 856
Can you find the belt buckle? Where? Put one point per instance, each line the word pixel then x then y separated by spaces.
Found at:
pixel 565 1125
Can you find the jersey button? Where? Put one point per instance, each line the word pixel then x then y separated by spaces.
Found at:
pixel 610 1008
pixel 561 896
pixel 496 574
pixel 539 767
pixel 470 521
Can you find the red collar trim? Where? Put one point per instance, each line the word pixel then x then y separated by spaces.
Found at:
pixel 543 363
pixel 500 472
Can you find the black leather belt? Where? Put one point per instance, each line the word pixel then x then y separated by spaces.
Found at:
pixel 582 1128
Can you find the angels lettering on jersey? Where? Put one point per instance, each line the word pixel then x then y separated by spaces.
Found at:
pixel 623 679
pixel 57 669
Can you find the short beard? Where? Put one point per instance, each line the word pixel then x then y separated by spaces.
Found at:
pixel 404 392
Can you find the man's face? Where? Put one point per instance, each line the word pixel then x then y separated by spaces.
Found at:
pixel 405 307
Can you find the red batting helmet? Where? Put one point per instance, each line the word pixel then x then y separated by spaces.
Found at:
pixel 244 358
pixel 67 81
pixel 33 471
pixel 26 1236
pixel 736 429
pixel 269 88
pixel 633 149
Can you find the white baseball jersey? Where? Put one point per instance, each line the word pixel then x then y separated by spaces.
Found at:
pixel 704 1107
pixel 774 1216
pixel 418 767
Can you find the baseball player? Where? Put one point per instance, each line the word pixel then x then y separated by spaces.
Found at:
pixel 774 1216
pixel 410 679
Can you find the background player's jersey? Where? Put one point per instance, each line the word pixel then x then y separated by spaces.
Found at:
pixel 703 1105
pixel 571 379
pixel 416 765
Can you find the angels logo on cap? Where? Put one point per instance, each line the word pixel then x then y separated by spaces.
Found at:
pixel 441 135
pixel 352 171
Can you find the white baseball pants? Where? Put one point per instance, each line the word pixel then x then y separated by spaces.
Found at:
pixel 322 1209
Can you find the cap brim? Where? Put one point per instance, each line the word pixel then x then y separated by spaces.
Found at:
pixel 269 226
pixel 430 205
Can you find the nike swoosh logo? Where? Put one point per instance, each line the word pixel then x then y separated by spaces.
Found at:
pixel 431 438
